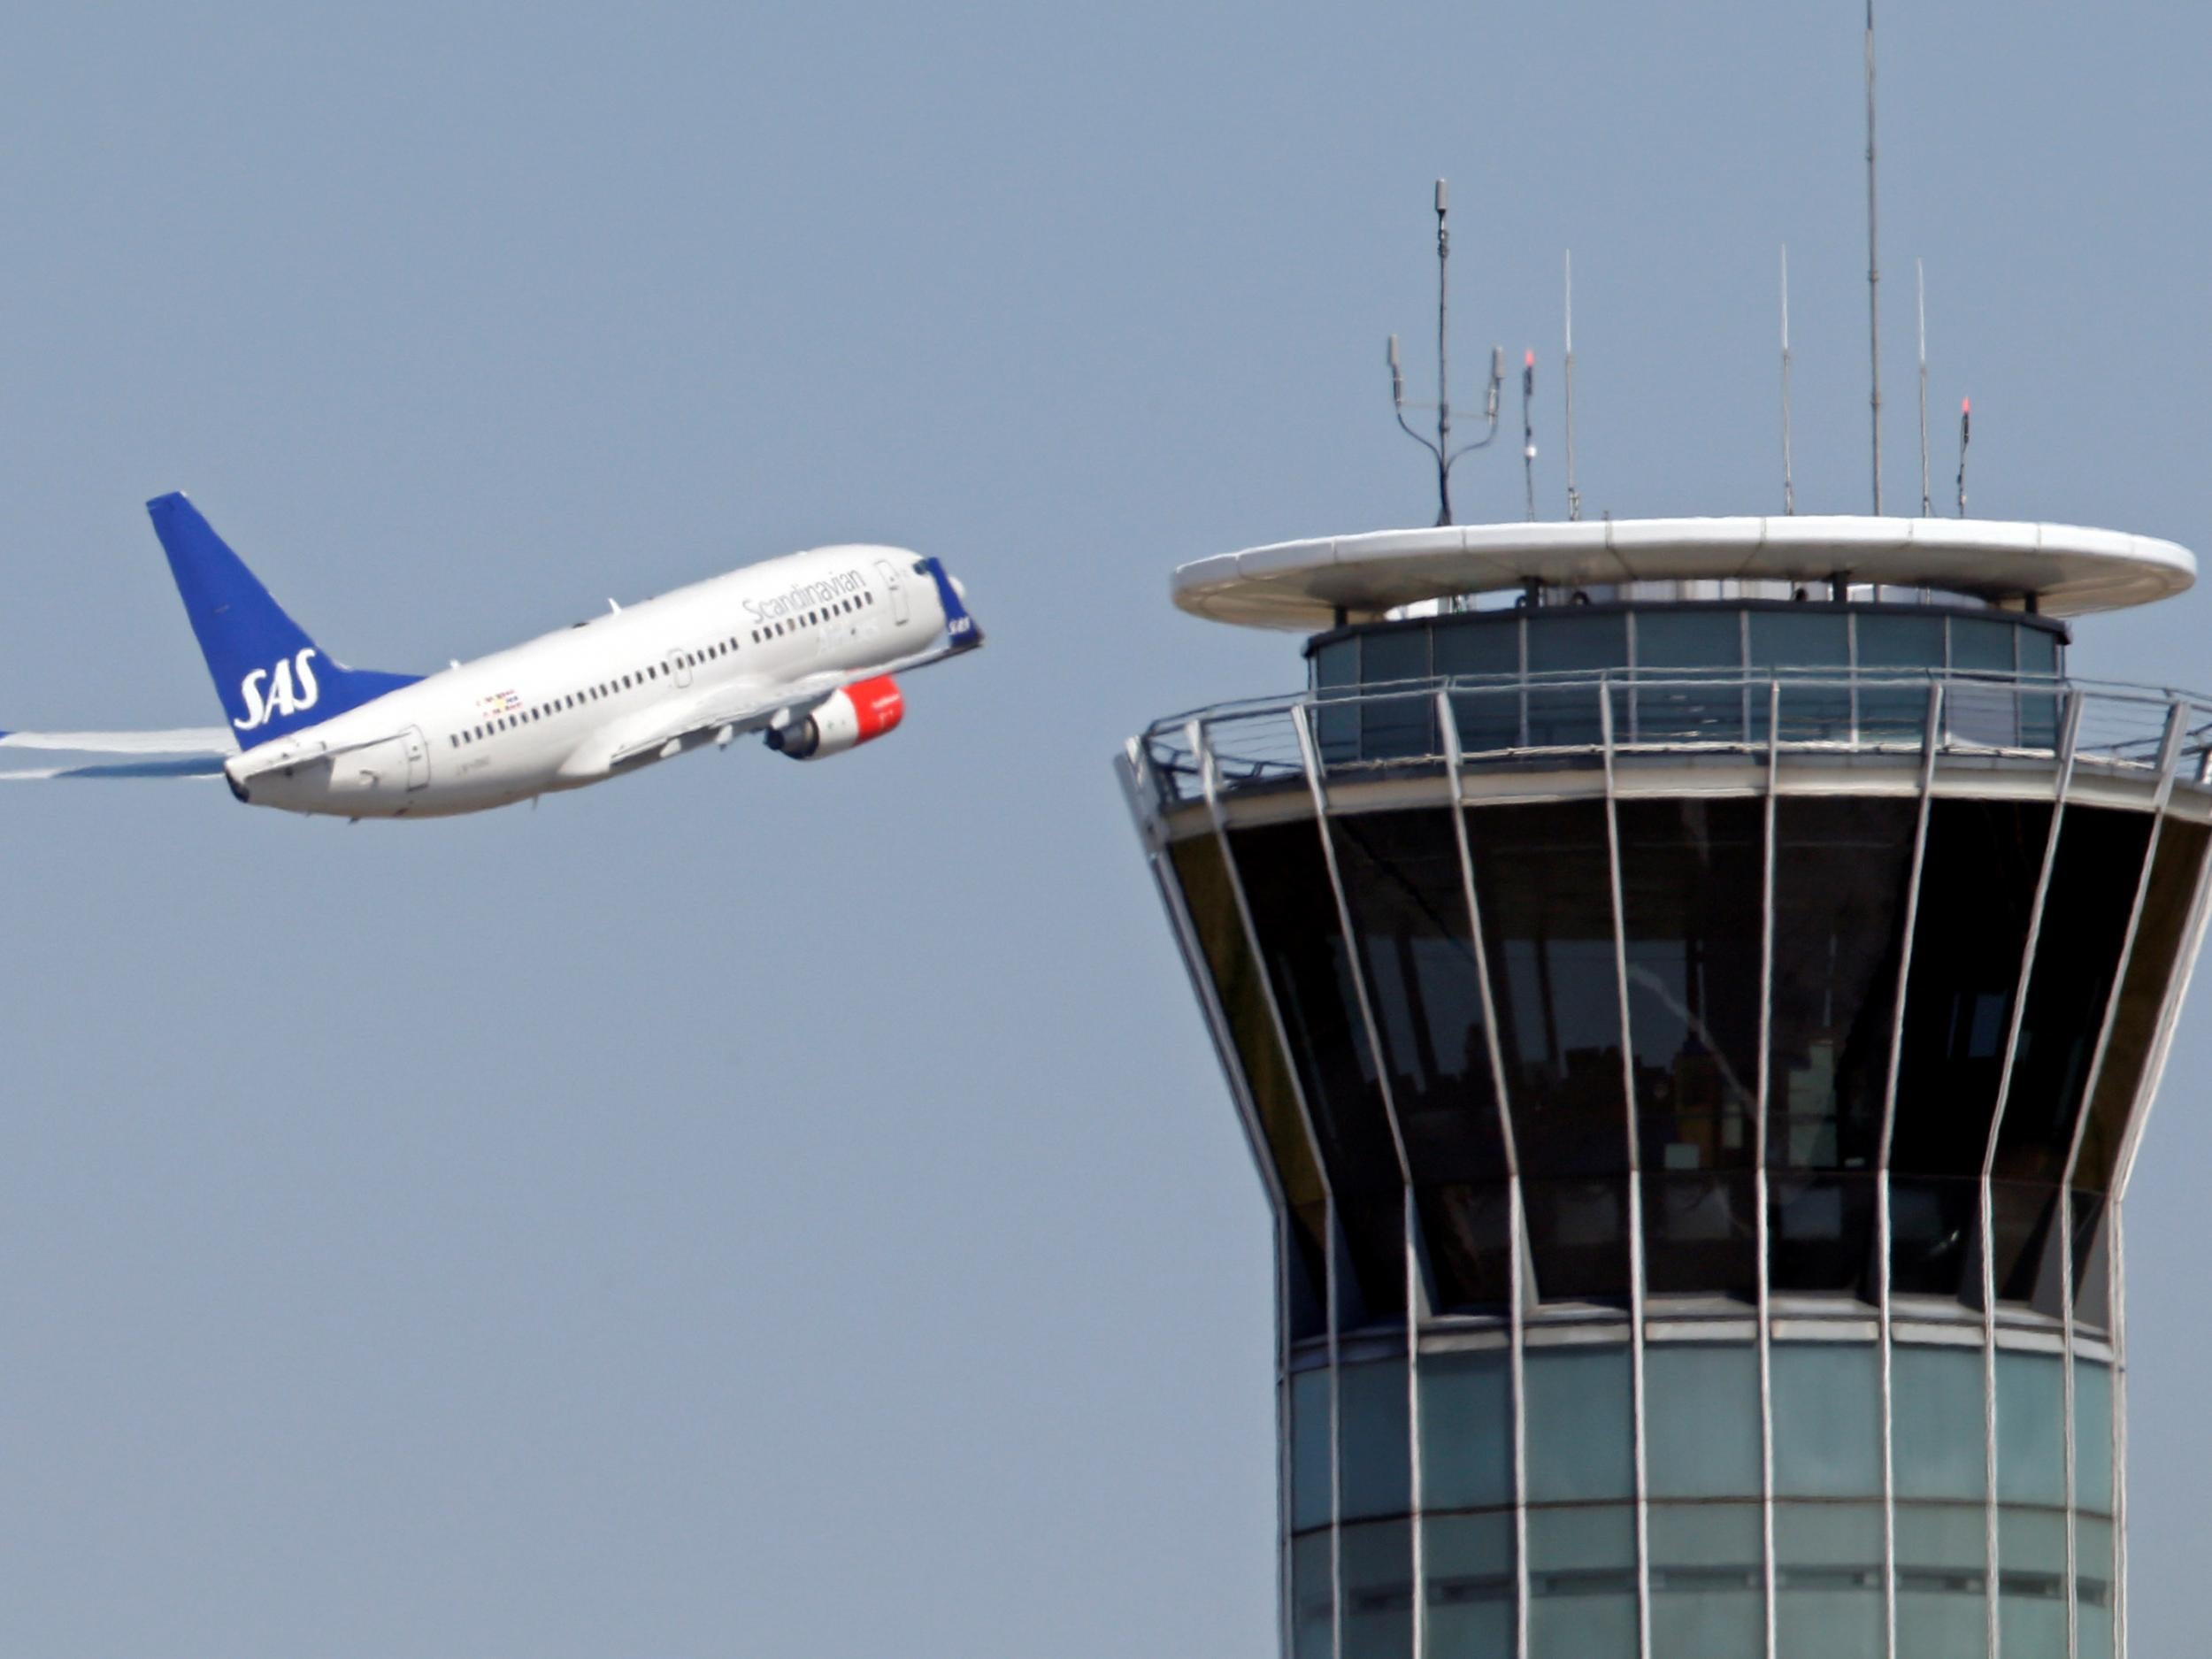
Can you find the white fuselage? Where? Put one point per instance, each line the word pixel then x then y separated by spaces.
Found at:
pixel 557 712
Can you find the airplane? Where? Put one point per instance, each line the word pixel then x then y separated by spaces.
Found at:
pixel 803 650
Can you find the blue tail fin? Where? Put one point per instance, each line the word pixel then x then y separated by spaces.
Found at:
pixel 962 631
pixel 273 679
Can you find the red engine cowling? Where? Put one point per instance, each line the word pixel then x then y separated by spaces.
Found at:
pixel 862 712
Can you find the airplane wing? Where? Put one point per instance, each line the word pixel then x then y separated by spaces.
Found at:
pixel 198 752
pixel 749 706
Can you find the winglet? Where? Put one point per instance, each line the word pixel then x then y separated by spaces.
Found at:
pixel 963 632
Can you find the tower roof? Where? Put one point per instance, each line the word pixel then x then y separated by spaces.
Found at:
pixel 2068 569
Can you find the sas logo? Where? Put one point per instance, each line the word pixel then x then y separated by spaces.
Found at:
pixel 291 688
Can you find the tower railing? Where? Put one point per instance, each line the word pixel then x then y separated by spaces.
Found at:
pixel 1595 718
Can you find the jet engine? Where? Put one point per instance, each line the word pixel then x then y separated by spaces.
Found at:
pixel 862 712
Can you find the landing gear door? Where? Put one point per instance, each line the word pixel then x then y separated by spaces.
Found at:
pixel 895 588
pixel 418 759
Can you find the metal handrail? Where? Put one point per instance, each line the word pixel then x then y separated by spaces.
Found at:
pixel 1518 720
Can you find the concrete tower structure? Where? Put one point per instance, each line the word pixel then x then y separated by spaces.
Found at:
pixel 1693 990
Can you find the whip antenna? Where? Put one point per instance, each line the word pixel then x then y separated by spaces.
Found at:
pixel 1966 433
pixel 1441 448
pixel 1920 285
pixel 1789 488
pixel 1873 272
pixel 1574 496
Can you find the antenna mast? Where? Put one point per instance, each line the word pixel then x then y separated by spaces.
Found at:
pixel 1966 432
pixel 1574 497
pixel 1789 488
pixel 1873 271
pixel 1441 448
pixel 1528 432
pixel 1920 285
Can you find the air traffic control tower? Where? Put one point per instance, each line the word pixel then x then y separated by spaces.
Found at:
pixel 1693 989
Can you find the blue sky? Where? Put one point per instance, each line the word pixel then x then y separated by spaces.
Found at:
pixel 760 1209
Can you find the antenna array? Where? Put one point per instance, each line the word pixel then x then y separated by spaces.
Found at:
pixel 1441 448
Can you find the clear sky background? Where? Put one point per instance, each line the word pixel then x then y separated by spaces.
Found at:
pixel 756 1208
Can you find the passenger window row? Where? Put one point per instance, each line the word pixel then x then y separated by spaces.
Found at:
pixel 689 659
pixel 775 630
pixel 590 694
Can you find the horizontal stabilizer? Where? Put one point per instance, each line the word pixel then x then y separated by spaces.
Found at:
pixel 207 739
pixel 180 766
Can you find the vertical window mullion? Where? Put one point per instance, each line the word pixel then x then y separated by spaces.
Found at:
pixel 1759 1171
pixel 1517 1310
pixel 1145 792
pixel 1930 743
pixel 1202 751
pixel 2168 761
pixel 1311 758
pixel 1989 1156
pixel 1635 1182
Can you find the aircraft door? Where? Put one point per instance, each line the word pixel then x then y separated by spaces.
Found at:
pixel 418 759
pixel 895 589
pixel 679 668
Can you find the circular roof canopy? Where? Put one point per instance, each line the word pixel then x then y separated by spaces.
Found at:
pixel 1302 585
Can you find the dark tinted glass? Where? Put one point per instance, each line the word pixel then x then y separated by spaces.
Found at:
pixel 1242 995
pixel 1700 1233
pixel 1336 725
pixel 1395 727
pixel 1842 875
pixel 1565 641
pixel 1691 884
pixel 1821 1234
pixel 2026 1242
pixel 1805 639
pixel 1900 641
pixel 2094 874
pixel 1490 718
pixel 1404 886
pixel 1337 662
pixel 1984 858
pixel 1475 645
pixel 1294 911
pixel 1982 645
pixel 1933 1224
pixel 2175 866
pixel 1678 646
pixel 2039 709
pixel 1544 879
pixel 1572 639
pixel 1977 711
pixel 2092 1263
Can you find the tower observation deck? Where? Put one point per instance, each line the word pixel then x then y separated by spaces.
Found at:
pixel 1693 990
